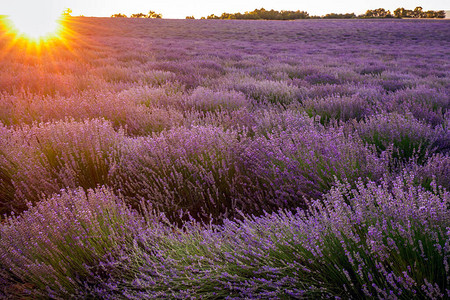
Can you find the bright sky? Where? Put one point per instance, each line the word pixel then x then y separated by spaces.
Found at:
pixel 198 8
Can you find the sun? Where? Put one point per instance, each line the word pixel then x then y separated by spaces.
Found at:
pixel 36 25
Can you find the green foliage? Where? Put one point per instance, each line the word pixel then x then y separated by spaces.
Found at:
pixel 151 15
pixel 418 13
pixel 340 16
pixel 263 14
pixel 378 13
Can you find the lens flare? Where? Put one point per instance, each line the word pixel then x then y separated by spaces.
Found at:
pixel 35 25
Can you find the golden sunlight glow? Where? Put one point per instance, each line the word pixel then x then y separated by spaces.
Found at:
pixel 36 25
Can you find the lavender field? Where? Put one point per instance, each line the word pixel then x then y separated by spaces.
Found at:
pixel 209 159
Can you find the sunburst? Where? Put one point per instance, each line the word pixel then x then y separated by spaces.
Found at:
pixel 35 25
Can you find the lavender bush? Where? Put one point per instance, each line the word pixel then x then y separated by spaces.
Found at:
pixel 405 134
pixel 337 108
pixel 66 243
pixel 41 159
pixel 436 169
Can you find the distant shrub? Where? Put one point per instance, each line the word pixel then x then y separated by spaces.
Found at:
pixel 138 15
pixel 377 13
pixel 339 16
pixel 119 15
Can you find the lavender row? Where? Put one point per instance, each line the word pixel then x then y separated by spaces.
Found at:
pixel 206 170
pixel 384 241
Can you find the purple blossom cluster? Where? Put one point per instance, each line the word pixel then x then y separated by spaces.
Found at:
pixel 212 159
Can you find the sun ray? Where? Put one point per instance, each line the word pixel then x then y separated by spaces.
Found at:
pixel 35 23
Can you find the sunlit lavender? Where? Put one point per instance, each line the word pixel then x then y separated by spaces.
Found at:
pixel 213 159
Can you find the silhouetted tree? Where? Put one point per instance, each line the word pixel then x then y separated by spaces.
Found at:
pixel 440 14
pixel 339 16
pixel 227 16
pixel 377 13
pixel 153 15
pixel 67 12
pixel 138 15
pixel 212 16
pixel 119 15
pixel 400 12
pixel 293 15
pixel 263 14
pixel 418 13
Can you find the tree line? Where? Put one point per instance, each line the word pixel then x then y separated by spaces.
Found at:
pixel 401 12
pixel 263 14
pixel 150 15
pixel 418 13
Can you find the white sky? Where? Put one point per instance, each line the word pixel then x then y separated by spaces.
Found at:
pixel 198 8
